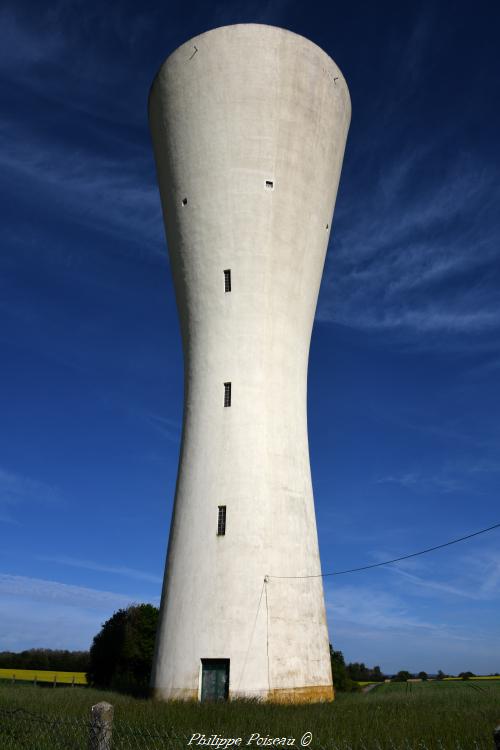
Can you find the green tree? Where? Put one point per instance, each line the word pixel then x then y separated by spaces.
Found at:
pixel 440 675
pixel 122 652
pixel 423 675
pixel 341 680
pixel 402 676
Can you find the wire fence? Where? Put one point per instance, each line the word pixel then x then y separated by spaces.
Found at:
pixel 23 730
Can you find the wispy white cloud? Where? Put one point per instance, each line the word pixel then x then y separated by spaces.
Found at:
pixel 416 46
pixel 108 186
pixel 399 264
pixel 106 194
pixel 482 466
pixel 380 610
pixel 431 586
pixel 475 577
pixel 119 570
pixel 449 428
pixel 452 477
pixel 167 427
pixel 395 622
pixel 482 570
pixel 418 482
pixel 17 490
pixel 24 46
pixel 41 613
pixel 71 32
pixel 443 606
pixel 63 593
pixel 26 624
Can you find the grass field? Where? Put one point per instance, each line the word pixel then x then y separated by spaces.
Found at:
pixel 484 677
pixel 425 715
pixel 41 675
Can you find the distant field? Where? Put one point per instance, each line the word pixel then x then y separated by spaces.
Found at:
pixel 433 715
pixel 363 683
pixel 485 677
pixel 42 675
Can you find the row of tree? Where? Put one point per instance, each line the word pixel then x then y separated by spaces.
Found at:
pixel 360 673
pixel 404 675
pixel 121 655
pixel 347 676
pixel 45 658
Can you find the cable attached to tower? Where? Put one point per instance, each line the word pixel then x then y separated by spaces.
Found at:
pixel 395 559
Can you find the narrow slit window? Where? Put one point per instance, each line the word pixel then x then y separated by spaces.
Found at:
pixel 227 280
pixel 227 394
pixel 269 184
pixel 184 201
pixel 221 521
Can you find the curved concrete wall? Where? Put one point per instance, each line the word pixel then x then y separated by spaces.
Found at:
pixel 231 110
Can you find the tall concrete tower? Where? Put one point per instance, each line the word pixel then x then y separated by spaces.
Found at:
pixel 249 124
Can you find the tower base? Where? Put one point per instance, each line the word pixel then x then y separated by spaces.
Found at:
pixel 309 694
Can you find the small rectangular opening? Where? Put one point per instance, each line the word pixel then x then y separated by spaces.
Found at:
pixel 227 394
pixel 269 184
pixel 227 280
pixel 221 521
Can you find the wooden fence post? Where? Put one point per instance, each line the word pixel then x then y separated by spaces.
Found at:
pixel 496 737
pixel 101 726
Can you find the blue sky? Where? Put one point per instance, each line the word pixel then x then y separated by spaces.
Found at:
pixel 405 360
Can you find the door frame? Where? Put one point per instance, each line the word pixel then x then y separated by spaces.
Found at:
pixel 221 661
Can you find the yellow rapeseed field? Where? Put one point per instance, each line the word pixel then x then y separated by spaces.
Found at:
pixel 42 675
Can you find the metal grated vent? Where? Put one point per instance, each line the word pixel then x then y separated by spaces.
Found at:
pixel 221 521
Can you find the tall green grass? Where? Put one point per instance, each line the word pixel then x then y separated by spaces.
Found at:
pixel 426 715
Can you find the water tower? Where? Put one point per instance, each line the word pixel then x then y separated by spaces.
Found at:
pixel 249 124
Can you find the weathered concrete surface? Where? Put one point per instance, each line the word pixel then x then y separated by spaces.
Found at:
pixel 319 694
pixel 249 125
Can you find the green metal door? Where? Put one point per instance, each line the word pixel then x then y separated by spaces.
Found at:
pixel 214 679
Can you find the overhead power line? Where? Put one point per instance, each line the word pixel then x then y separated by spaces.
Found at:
pixel 397 559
